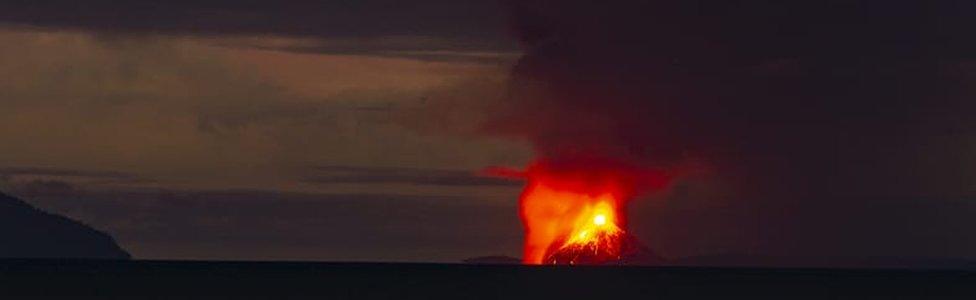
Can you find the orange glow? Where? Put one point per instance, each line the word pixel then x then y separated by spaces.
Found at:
pixel 574 211
pixel 591 226
pixel 564 219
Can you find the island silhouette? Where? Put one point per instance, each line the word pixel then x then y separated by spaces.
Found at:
pixel 28 232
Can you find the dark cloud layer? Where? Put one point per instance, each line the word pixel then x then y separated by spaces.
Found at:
pixel 31 179
pixel 479 23
pixel 34 171
pixel 413 176
pixel 802 111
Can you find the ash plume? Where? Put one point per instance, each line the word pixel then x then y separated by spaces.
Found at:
pixel 864 97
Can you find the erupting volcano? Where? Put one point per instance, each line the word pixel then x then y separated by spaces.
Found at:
pixel 574 210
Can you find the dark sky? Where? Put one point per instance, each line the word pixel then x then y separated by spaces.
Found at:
pixel 352 130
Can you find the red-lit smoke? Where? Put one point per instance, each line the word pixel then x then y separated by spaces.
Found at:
pixel 574 210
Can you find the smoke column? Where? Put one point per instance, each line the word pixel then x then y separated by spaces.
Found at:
pixel 784 101
pixel 773 90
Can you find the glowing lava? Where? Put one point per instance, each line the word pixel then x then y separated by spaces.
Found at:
pixel 595 237
pixel 574 210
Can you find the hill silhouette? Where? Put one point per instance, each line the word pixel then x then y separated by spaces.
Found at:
pixel 27 232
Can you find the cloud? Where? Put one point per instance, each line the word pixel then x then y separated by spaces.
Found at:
pixel 40 187
pixel 436 49
pixel 413 176
pixel 184 111
pixel 475 19
pixel 429 30
pixel 185 116
pixel 34 180
pixel 35 171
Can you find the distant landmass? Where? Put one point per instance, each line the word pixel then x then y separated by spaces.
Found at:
pixel 27 232
pixel 733 260
pixel 648 258
pixel 493 260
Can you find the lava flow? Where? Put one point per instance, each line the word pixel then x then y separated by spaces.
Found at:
pixel 574 211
